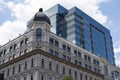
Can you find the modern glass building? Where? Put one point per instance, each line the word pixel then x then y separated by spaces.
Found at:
pixel 79 28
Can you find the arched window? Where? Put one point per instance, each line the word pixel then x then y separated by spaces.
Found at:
pixel 38 34
pixel 49 78
pixel 115 74
pixel 42 77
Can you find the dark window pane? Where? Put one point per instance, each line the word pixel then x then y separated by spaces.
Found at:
pixel 56 43
pixel 38 35
pixel 64 47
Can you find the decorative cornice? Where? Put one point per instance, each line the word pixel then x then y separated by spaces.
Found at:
pixel 38 51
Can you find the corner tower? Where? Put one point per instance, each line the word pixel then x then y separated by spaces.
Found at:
pixel 39 23
pixel 39 19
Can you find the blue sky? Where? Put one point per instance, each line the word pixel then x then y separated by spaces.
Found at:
pixel 14 15
pixel 112 11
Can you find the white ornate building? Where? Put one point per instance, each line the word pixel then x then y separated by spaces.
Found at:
pixel 39 54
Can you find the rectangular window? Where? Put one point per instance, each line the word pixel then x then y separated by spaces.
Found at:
pixel 75 53
pixel 26 65
pixel 94 61
pixel 81 76
pixel 21 43
pixel 51 41
pixel 1 53
pixel 13 56
pixel 68 49
pixel 51 51
pixel 25 51
pixel 95 69
pixel 50 65
pixel 80 63
pixel 98 63
pixel 4 52
pixel 56 43
pixel 64 57
pixel 86 77
pixel 85 57
pixel 10 49
pixel 19 67
pixel 68 58
pixel 79 54
pixel 105 70
pixel 31 77
pixel 3 60
pixel 8 72
pixel 56 53
pixel 26 40
pixel 10 58
pixel 56 67
pixel 2 72
pixel 63 47
pixel 15 46
pixel 13 72
pixel 42 77
pixel 42 63
pixel 25 78
pixel 21 53
pixel 75 61
pixel 75 74
pixel 86 65
pixel 32 63
pixel 89 67
pixel 69 71
pixel 98 71
pixel 38 34
pixel 89 59
pixel 90 78
pixel 63 70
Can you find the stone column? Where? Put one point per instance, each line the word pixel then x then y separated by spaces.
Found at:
pixel 46 76
pixel 28 76
pixel 22 78
pixel 36 75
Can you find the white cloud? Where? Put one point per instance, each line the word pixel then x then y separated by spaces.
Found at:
pixel 117 59
pixel 10 30
pixel 117 52
pixel 29 6
pixel 117 47
pixel 24 11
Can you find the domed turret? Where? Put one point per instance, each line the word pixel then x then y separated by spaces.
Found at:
pixel 40 16
pixel 37 19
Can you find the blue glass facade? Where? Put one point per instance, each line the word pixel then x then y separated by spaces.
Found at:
pixel 79 28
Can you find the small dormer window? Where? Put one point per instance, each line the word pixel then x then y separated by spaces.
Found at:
pixel 38 35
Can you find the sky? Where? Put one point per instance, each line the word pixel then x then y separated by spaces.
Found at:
pixel 14 15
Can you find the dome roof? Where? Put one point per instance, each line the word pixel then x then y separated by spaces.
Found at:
pixel 40 16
